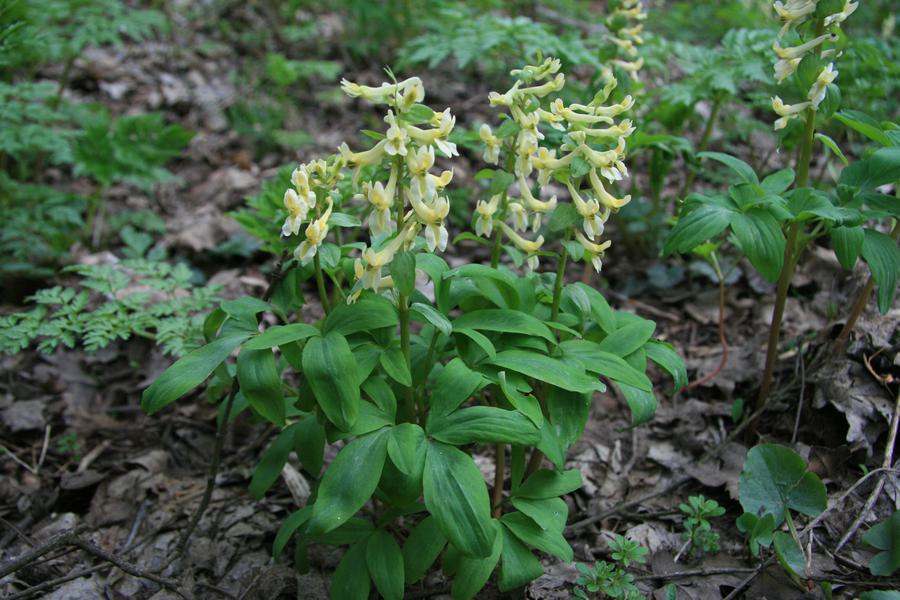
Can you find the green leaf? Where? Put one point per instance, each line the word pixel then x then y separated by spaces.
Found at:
pixel 877 169
pixel 641 403
pixel 261 384
pixel 394 364
pixel 351 578
pixel 480 339
pixel 885 537
pixel 431 315
pixel 883 257
pixel 417 114
pixel 547 369
pixel 563 217
pixel 504 321
pixel 697 226
pixel 309 444
pixel 406 447
pixel 484 424
pixel 605 363
pixel 666 357
pixel 789 554
pixel 269 467
pixel 403 271
pixel 549 484
pixel 473 573
pixel 188 372
pixel 281 334
pixel 778 181
pixel 880 595
pixel 287 529
pixel 457 496
pixel 832 145
pixel 349 482
pixel 343 220
pixel 422 547
pixel 628 339
pixel 549 513
pixel 385 563
pixel 245 308
pixel 847 243
pixel 551 542
pixel 330 368
pixel 761 240
pixel 368 313
pixel 455 385
pixel 600 309
pixel 518 566
pixel 864 124
pixel 776 479
pixel 744 171
pixel 524 403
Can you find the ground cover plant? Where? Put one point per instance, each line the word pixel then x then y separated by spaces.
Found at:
pixel 466 299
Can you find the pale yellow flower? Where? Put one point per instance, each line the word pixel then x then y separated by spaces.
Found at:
pixel 549 67
pixel 491 144
pixel 316 233
pixel 408 91
pixel 786 68
pixel 787 111
pixel 595 251
pixel 484 217
pixel 539 207
pixel 382 200
pixel 850 7
pixel 297 211
pixel 432 216
pixel 818 89
pixel 396 137
pixel 792 52
pixel 605 198
pixel 592 218
pixel 519 216
pixel 793 12
pixel 527 246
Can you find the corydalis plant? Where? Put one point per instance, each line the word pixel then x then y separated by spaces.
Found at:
pixel 808 57
pixel 593 149
pixel 413 385
pixel 625 24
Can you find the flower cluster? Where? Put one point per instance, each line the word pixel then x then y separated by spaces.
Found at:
pixel 593 149
pixel 793 14
pixel 411 200
pixel 313 184
pixel 625 27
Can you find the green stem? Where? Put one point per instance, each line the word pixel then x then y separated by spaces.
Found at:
pixel 320 284
pixel 704 140
pixel 407 413
pixel 495 250
pixel 859 305
pixel 806 149
pixel 499 475
pixel 791 254
pixel 560 276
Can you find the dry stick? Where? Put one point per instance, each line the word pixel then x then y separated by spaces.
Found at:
pixel 52 583
pixel 800 400
pixel 886 464
pixel 210 482
pixel 696 573
pixel 748 580
pixel 277 275
pixel 574 527
pixel 71 538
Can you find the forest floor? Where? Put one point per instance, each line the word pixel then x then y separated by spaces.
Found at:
pixel 82 456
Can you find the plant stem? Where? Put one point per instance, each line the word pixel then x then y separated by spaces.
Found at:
pixel 560 276
pixel 499 475
pixel 859 305
pixel 704 140
pixel 791 254
pixel 320 284
pixel 408 412
pixel 806 149
pixel 722 340
pixel 495 250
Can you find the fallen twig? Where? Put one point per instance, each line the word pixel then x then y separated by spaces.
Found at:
pixel 72 538
pixel 879 485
